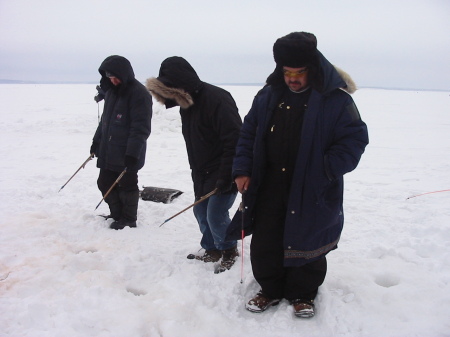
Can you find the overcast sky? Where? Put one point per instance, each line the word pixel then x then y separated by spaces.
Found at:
pixel 380 43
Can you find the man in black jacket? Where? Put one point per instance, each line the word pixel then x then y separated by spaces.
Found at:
pixel 210 126
pixel 120 141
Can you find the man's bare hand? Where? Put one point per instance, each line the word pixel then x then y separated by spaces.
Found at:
pixel 242 183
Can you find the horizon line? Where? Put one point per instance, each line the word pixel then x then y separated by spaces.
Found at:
pixel 6 81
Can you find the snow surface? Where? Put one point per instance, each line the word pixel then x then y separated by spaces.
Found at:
pixel 63 272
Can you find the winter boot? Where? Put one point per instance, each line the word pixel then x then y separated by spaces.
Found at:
pixel 229 257
pixel 212 255
pixel 121 224
pixel 303 308
pixel 261 303
pixel 129 201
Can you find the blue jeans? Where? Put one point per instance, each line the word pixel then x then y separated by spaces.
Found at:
pixel 213 218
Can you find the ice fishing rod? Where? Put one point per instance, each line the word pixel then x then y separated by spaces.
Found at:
pixel 195 203
pixel 418 195
pixel 242 209
pixel 110 189
pixel 82 166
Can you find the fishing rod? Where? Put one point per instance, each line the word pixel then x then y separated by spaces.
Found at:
pixel 242 209
pixel 110 189
pixel 418 195
pixel 82 166
pixel 195 203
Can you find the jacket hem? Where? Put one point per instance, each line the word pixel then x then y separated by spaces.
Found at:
pixel 300 254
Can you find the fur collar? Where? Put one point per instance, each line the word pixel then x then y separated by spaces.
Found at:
pixel 351 85
pixel 162 93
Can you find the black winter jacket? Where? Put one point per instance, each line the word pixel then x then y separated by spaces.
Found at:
pixel 126 121
pixel 210 122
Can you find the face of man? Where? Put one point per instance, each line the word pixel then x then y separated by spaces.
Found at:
pixel 296 78
pixel 114 80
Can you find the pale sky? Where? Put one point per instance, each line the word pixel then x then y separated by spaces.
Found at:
pixel 380 43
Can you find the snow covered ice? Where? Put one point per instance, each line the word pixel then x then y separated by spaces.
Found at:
pixel 63 272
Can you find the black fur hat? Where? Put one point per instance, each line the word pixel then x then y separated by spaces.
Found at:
pixel 295 50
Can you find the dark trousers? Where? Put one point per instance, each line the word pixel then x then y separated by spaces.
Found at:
pixel 267 249
pixel 106 178
pixel 291 283
pixel 124 197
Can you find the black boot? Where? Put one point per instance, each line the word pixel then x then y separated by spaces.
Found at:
pixel 115 205
pixel 129 200
pixel 213 255
pixel 121 224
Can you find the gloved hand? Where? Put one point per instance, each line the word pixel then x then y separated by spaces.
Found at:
pixel 93 149
pixel 101 94
pixel 130 161
pixel 105 85
pixel 99 98
pixel 223 186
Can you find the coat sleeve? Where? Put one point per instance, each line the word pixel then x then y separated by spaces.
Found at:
pixel 243 160
pixel 98 134
pixel 350 137
pixel 228 123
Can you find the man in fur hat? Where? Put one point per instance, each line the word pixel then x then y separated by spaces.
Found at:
pixel 210 126
pixel 301 135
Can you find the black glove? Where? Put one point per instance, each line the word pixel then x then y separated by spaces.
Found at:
pixel 223 186
pixel 130 161
pixel 99 98
pixel 105 85
pixel 93 149
pixel 101 94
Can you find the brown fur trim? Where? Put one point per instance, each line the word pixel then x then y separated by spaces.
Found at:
pixel 351 85
pixel 162 93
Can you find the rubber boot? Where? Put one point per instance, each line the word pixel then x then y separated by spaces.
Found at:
pixel 129 200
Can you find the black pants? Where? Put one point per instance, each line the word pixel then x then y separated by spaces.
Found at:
pixel 124 197
pixel 267 250
pixel 291 283
pixel 106 178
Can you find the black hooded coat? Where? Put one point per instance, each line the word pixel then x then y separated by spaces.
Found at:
pixel 126 120
pixel 210 121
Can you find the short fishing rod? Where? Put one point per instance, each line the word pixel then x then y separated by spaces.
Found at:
pixel 82 166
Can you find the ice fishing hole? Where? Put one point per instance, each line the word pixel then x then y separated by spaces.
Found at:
pixel 387 280
pixel 136 292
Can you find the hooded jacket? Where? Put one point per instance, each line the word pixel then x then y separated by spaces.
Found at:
pixel 210 122
pixel 333 139
pixel 126 120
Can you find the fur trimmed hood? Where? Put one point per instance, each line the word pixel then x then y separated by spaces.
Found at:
pixel 176 84
pixel 350 84
pixel 326 77
pixel 167 95
pixel 299 49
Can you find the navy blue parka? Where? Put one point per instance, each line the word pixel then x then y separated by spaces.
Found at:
pixel 333 139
